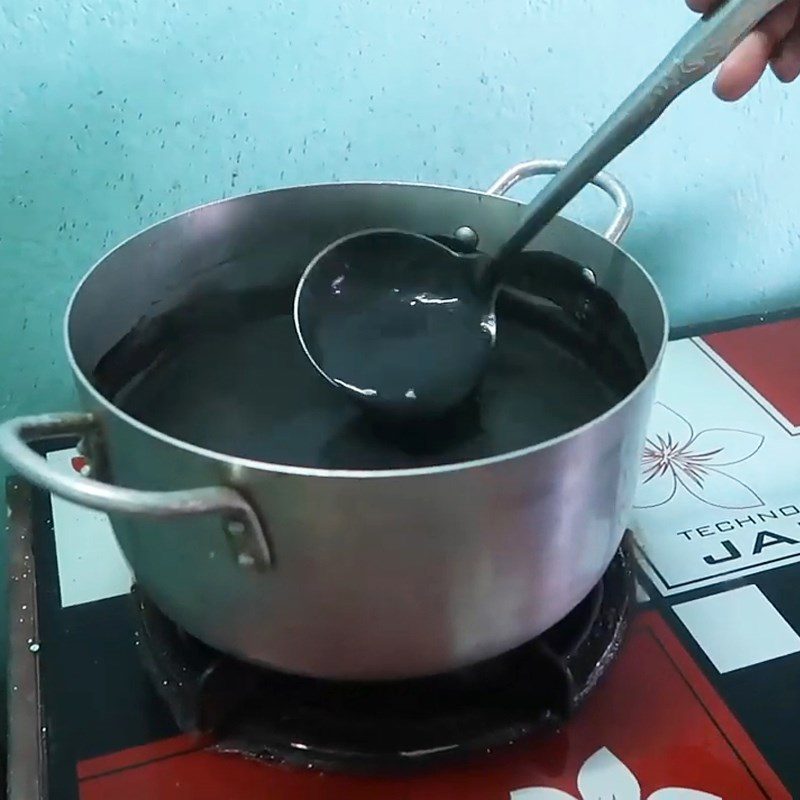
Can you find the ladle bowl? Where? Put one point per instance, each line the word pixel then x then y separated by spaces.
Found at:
pixel 410 310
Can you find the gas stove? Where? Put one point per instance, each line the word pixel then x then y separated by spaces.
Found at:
pixel 397 725
pixel 678 677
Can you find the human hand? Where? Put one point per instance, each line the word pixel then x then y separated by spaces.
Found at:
pixel 775 42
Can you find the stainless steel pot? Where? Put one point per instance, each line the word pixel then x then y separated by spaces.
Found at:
pixel 344 574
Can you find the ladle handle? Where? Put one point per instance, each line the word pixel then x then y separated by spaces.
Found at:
pixel 700 50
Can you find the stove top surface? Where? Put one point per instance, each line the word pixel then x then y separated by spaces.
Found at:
pixel 700 703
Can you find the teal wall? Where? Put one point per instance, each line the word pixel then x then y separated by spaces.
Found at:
pixel 117 113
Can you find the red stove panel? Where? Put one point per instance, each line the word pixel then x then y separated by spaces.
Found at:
pixel 767 357
pixel 655 723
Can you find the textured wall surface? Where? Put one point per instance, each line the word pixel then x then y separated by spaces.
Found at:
pixel 117 113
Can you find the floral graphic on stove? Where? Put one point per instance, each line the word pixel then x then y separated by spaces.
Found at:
pixel 604 777
pixel 675 457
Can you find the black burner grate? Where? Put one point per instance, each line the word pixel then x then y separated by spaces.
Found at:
pixel 373 726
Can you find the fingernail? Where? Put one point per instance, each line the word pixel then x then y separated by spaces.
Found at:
pixel 721 94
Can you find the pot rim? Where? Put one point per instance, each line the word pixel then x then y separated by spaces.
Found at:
pixel 317 472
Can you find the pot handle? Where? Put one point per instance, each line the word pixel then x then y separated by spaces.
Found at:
pixel 241 523
pixel 608 183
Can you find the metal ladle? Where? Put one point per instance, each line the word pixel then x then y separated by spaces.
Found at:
pixel 404 323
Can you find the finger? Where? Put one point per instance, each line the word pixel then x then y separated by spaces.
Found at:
pixel 786 63
pixel 701 6
pixel 746 64
pixel 742 69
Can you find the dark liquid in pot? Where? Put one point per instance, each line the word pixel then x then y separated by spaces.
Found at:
pixel 228 374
